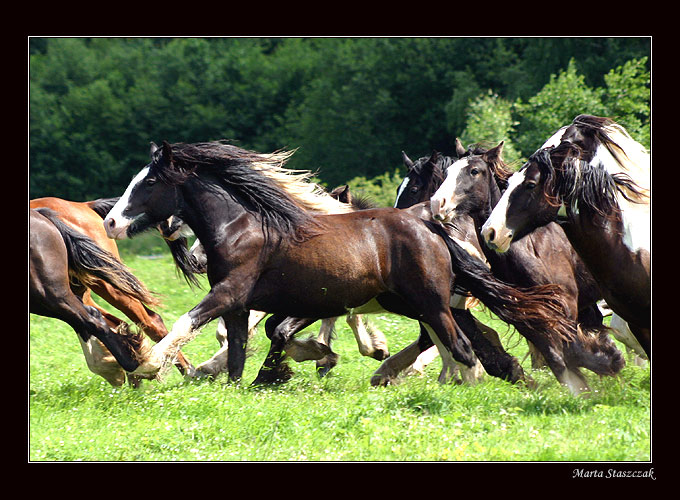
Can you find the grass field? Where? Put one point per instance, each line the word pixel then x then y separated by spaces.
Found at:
pixel 75 415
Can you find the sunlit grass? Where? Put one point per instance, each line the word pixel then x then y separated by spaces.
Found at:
pixel 75 415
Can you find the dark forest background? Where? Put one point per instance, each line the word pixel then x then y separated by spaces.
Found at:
pixel 348 105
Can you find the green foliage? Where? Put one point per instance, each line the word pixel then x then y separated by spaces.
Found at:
pixel 490 121
pixel 349 105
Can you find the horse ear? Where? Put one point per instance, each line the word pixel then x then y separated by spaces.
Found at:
pixel 460 150
pixel 407 161
pixel 167 152
pixel 495 153
pixel 153 149
pixel 431 163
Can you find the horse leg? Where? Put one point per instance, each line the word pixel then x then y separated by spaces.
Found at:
pixel 236 324
pixel 218 302
pixel 486 344
pixel 150 322
pixel 371 342
pixel 279 329
pixel 389 370
pixel 325 364
pixel 101 362
pixel 218 362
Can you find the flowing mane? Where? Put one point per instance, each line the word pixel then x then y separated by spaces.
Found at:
pixel 286 199
pixel 598 172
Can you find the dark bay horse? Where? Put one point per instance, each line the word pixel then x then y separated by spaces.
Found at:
pixel 86 218
pixel 63 263
pixel 265 252
pixel 470 186
pixel 370 340
pixel 594 178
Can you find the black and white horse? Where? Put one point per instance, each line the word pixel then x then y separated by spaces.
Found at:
pixel 595 179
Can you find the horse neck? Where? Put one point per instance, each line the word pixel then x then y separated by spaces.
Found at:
pixel 207 211
pixel 481 214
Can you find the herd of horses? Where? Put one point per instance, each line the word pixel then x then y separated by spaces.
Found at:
pixel 538 247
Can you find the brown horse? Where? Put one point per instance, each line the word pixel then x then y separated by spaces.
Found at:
pixel 594 178
pixel 63 263
pixel 472 186
pixel 265 252
pixel 86 218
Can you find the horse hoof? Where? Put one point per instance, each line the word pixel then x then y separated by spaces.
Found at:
pixel 380 355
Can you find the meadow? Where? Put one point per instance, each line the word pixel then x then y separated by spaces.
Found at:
pixel 76 416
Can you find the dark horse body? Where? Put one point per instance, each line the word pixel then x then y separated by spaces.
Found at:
pixel 62 263
pixel 471 189
pixel 266 253
pixel 595 178
pixel 86 218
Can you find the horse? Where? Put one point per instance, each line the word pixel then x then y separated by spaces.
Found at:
pixel 467 188
pixel 370 340
pixel 594 178
pixel 266 252
pixel 86 218
pixel 62 264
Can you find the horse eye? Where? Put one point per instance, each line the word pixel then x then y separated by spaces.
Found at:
pixel 474 171
pixel 530 184
pixel 150 181
pixel 414 189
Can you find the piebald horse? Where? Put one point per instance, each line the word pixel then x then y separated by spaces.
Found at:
pixel 595 179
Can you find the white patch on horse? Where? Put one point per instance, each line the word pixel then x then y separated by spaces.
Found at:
pixel 499 213
pixel 442 203
pixel 116 213
pixel 635 216
pixel 402 186
pixel 555 139
pixel 164 352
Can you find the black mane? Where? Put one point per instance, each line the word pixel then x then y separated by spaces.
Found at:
pixel 570 176
pixel 221 166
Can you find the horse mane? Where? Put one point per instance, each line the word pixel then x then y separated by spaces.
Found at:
pixel 102 206
pixel 285 199
pixel 572 177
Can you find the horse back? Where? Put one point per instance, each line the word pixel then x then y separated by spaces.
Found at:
pixel 81 217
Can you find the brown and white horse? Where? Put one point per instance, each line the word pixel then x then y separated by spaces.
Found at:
pixel 595 179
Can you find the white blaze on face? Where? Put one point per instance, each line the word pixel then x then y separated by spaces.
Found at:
pixel 402 186
pixel 495 229
pixel 116 224
pixel 442 203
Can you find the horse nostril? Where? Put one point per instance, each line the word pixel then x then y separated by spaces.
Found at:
pixel 111 223
pixel 491 235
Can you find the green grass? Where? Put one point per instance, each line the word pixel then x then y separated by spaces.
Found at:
pixel 75 415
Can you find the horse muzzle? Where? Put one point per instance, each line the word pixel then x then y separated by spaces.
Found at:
pixel 497 239
pixel 114 229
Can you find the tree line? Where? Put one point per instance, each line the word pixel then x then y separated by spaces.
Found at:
pixel 348 106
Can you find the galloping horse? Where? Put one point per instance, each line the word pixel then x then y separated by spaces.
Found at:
pixel 470 186
pixel 370 340
pixel 267 253
pixel 86 218
pixel 594 178
pixel 63 263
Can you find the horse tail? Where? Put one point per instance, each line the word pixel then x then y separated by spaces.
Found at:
pixel 88 262
pixel 539 309
pixel 102 206
pixel 185 264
